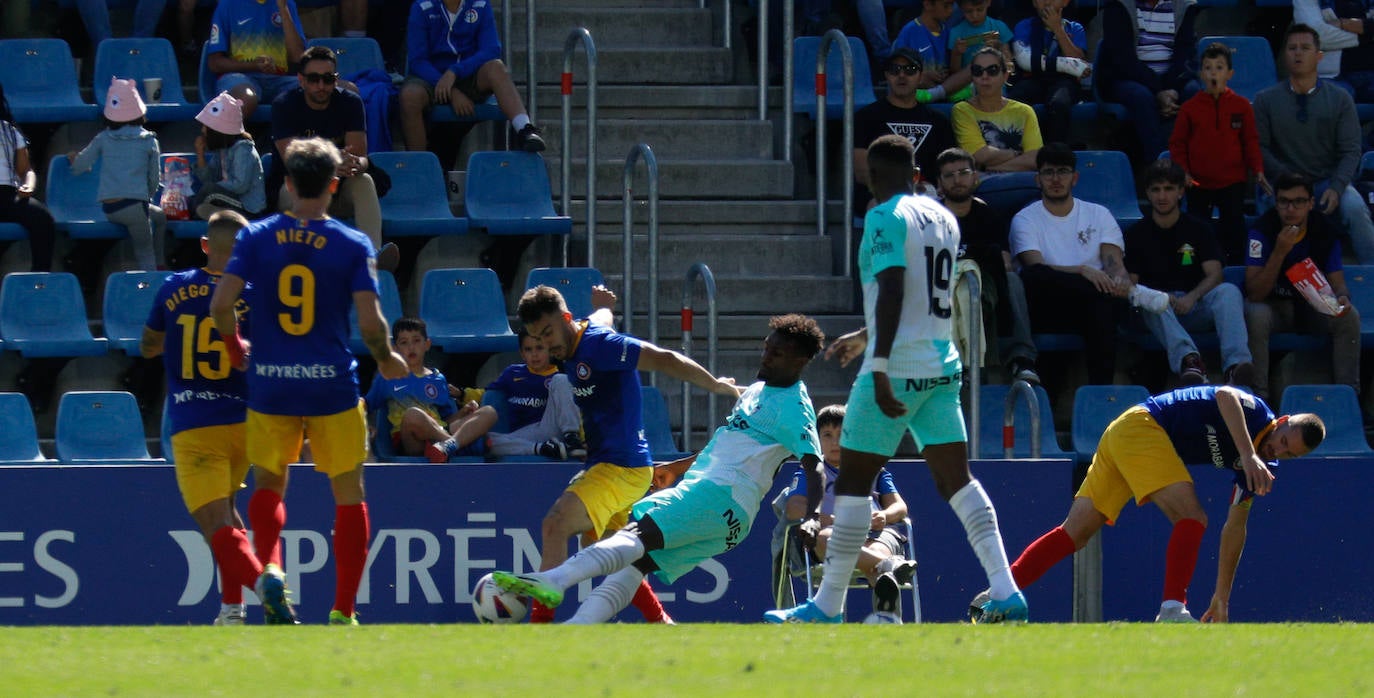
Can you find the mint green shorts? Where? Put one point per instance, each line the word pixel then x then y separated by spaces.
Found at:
pixel 933 415
pixel 699 520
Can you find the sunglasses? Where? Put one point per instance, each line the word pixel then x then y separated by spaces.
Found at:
pixel 326 78
pixel 991 71
pixel 894 69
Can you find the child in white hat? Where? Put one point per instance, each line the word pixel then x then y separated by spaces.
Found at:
pixel 227 162
pixel 130 170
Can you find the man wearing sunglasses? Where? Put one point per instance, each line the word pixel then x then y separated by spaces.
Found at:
pixel 250 49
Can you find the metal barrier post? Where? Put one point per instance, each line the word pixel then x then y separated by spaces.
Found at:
pixel 763 55
pixel 1020 389
pixel 529 63
pixel 583 36
pixel 701 5
pixel 974 362
pixel 788 73
pixel 709 281
pixel 833 38
pixel 651 165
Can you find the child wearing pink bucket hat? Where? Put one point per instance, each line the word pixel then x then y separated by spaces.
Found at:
pixel 130 171
pixel 227 162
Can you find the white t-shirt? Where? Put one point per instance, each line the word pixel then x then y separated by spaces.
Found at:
pixel 1067 241
pixel 10 136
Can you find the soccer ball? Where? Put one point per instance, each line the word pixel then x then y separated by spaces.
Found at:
pixel 491 605
pixel 883 618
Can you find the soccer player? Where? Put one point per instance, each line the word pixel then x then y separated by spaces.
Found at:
pixel 1142 454
pixel 306 270
pixel 206 410
pixel 603 367
pixel 909 380
pixel 712 509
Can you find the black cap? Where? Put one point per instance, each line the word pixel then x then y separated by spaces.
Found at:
pixel 909 54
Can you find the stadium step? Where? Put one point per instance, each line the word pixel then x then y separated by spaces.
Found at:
pixel 716 139
pixel 657 102
pixel 725 254
pixel 684 179
pixel 635 65
pixel 755 293
pixel 681 24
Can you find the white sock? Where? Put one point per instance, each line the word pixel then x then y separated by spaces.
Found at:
pixel 609 598
pixel 602 558
pixel 520 121
pixel 852 518
pixel 975 510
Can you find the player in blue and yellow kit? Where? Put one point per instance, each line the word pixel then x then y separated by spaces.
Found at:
pixel 252 46
pixel 603 367
pixel 206 408
pixel 306 270
pixel 1143 454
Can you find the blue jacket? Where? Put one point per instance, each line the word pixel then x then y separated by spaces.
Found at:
pixel 239 170
pixel 130 163
pixel 434 46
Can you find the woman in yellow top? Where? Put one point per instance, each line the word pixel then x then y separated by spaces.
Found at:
pixel 1003 134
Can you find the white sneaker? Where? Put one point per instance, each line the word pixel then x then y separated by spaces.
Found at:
pixel 230 614
pixel 1148 299
pixel 1174 614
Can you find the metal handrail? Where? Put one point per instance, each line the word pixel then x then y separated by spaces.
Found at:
pixel 579 35
pixel 833 38
pixel 974 362
pixel 651 165
pixel 529 63
pixel 1020 388
pixel 788 73
pixel 709 281
pixel 763 55
pixel 701 4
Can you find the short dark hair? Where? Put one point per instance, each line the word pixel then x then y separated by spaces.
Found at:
pixel 1300 28
pixel 1056 154
pixel 988 51
pixel 539 301
pixel 1164 170
pixel 893 155
pixel 949 155
pixel 1293 180
pixel 801 331
pixel 310 164
pixel 227 222
pixel 409 324
pixel 1216 49
pixel 1311 427
pixel 317 53
pixel 830 416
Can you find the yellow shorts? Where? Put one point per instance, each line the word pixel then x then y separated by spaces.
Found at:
pixel 211 463
pixel 608 491
pixel 338 441
pixel 1134 458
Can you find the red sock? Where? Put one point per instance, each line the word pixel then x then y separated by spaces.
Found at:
pixel 267 515
pixel 1040 556
pixel 647 602
pixel 539 613
pixel 238 566
pixel 350 554
pixel 1181 558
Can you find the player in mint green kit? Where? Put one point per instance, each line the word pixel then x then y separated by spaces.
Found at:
pixel 673 530
pixel 909 381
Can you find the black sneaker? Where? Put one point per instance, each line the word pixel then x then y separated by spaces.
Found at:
pixel 904 570
pixel 576 449
pixel 552 449
pixel 530 139
pixel 388 257
pixel 887 594
pixel 1192 371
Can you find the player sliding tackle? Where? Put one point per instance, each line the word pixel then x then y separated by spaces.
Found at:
pixel 673 530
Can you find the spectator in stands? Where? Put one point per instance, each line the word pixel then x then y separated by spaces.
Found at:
pixel 1071 263
pixel 540 412
pixel 1051 53
pixel 1292 233
pixel 884 551
pixel 231 172
pixel 1357 62
pixel 977 31
pixel 130 172
pixel 873 18
pixel 318 107
pixel 898 113
pixel 925 35
pixel 1003 134
pixel 1310 127
pixel 252 43
pixel 455 59
pixel 334 18
pixel 1217 145
pixel 983 239
pixel 1177 253
pixel 95 14
pixel 1333 39
pixel 423 416
pixel 1146 47
pixel 17 184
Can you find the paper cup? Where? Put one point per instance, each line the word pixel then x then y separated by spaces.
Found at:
pixel 152 90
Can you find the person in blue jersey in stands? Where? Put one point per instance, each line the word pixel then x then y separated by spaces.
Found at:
pixel 541 414
pixel 603 367
pixel 307 270
pixel 252 47
pixel 1143 454
pixel 206 409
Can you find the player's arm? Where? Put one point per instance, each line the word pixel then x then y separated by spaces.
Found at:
pixel 667 474
pixel 683 368
pixel 1258 479
pixel 815 490
pixel 377 336
pixel 150 344
pixel 603 299
pixel 848 347
pixel 1233 535
pixel 887 312
pixel 222 304
pixel 894 507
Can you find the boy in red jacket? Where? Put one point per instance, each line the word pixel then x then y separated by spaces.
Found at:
pixel 1216 143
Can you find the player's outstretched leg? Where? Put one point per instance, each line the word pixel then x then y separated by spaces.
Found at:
pixel 534 585
pixel 1009 610
pixel 608 598
pixel 805 613
pixel 276 602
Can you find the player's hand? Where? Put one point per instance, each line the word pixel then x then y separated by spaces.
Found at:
pixel 883 395
pixel 603 297
pixel 1330 200
pixel 727 387
pixel 848 347
pixel 1218 612
pixel 238 349
pixel 1258 478
pixel 444 87
pixel 462 106
pixel 392 366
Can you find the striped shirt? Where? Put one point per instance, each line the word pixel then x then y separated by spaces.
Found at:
pixel 1155 43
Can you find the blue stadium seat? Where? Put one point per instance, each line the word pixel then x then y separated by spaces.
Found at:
pixel 804 50
pixel 139 58
pixel 40 82
pixel 1104 177
pixel 74 205
pixel 390 297
pixel 508 193
pixel 658 430
pixel 42 315
pixel 991 404
pixel 574 283
pixel 98 426
pixel 205 81
pixel 1252 59
pixel 18 433
pixel 1359 280
pixel 354 54
pixel 1339 408
pixel 128 298
pixel 1366 164
pixel 466 311
pixel 417 205
pixel 1008 192
pixel 1094 407
pixel 13 231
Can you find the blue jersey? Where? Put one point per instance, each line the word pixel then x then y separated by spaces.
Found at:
pixel 603 371
pixel 304 275
pixel 1192 419
pixel 526 393
pixel 428 392
pixel 202 390
pixel 246 29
